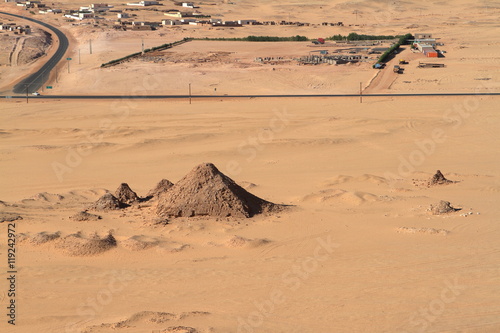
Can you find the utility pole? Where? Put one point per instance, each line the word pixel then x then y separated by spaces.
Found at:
pixel 26 94
pixel 79 62
pixel 360 92
pixel 142 39
pixel 68 65
pixel 90 45
pixel 56 74
pixel 190 93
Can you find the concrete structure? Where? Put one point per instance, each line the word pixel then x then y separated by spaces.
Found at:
pixel 171 22
pixel 427 49
pixel 7 26
pixel 80 16
pixel 430 41
pixel 247 22
pixel 100 5
pixel 428 65
pixel 50 11
pixel 143 3
pixel 189 5
pixel 173 13
pixel 179 14
pixel 142 27
pixel 85 15
pixel 144 23
pixel 17 29
pixel 423 36
pixel 122 15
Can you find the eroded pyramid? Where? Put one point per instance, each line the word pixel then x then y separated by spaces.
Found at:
pixel 125 194
pixel 205 191
pixel 163 186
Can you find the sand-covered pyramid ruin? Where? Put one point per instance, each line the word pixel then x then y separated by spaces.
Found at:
pixel 443 207
pixel 163 186
pixel 107 202
pixel 205 191
pixel 439 179
pixel 125 194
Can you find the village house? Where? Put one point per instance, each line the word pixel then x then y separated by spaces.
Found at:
pixel 80 16
pixel 171 22
pixel 189 5
pixel 99 7
pixel 247 22
pixel 423 36
pixel 17 29
pixel 50 11
pixel 143 3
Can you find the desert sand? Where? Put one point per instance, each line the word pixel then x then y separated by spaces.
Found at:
pixel 359 245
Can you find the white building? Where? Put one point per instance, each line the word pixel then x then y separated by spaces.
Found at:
pixel 123 15
pixel 171 22
pixel 246 22
pixel 143 3
pixel 6 26
pixel 80 16
pixel 189 5
pixel 423 36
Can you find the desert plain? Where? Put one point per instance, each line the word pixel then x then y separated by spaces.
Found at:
pixel 358 247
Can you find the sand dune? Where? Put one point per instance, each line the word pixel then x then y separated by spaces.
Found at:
pixel 158 321
pixel 342 196
pixel 430 231
pixel 238 241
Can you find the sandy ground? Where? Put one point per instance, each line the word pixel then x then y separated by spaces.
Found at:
pixel 340 163
pixel 357 251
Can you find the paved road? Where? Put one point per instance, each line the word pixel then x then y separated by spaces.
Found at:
pixel 36 80
pixel 243 96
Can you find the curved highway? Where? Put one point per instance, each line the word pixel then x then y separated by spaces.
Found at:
pixel 33 82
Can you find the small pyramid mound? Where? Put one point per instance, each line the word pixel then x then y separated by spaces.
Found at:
pixel 9 217
pixel 439 179
pixel 125 194
pixel 107 202
pixel 85 216
pixel 79 245
pixel 44 237
pixel 443 207
pixel 205 191
pixel 163 186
